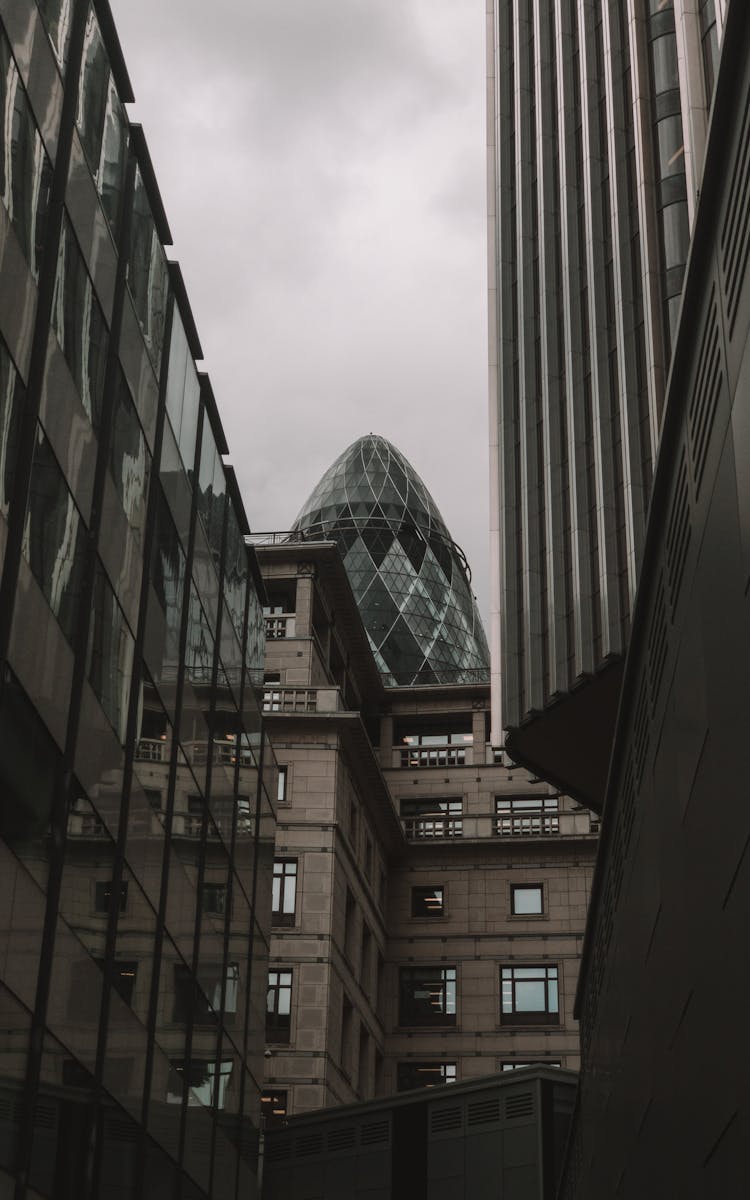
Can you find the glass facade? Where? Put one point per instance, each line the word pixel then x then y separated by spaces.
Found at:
pixel 137 788
pixel 410 579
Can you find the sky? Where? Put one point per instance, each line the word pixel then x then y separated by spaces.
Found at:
pixel 322 167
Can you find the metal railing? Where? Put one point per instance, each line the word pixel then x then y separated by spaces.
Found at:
pixel 301 700
pixel 429 828
pixel 433 756
pixel 527 825
pixel 151 750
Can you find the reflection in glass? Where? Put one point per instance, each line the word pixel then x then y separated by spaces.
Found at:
pixel 78 322
pixel 54 537
pixel 110 654
pixel 25 172
pixel 147 273
pixel 207 1081
pixel 199 651
pixel 11 398
pixel 110 177
pixel 57 16
pixel 128 456
pixel 92 92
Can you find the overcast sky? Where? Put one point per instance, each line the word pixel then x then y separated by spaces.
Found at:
pixel 322 168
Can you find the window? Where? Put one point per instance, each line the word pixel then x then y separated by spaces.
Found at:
pixel 284 899
pixel 529 995
pixel 526 899
pixel 529 816
pixel 349 911
pixel 279 1006
pixel 214 898
pixel 273 1107
pixel 103 896
pixel 272 691
pixel 199 999
pixel 517 1066
pixel 427 996
pixel 207 1081
pixel 439 749
pixel 346 1035
pixel 281 785
pixel 424 1075
pixel 123 980
pixel 427 902
pixel 432 818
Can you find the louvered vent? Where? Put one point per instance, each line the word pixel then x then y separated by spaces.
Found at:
pixel 519 1106
pixel 308 1144
pixel 278 1149
pixel 444 1119
pixel 657 645
pixel 706 389
pixel 341 1139
pixel 11 1109
pixel 374 1132
pixel 120 1131
pixel 735 234
pixel 641 732
pixel 45 1115
pixel 678 534
pixel 483 1112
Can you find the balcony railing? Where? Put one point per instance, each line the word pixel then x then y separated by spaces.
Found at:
pixel 433 756
pixel 301 700
pixel 428 828
pixel 280 626
pixel 151 750
pixel 527 825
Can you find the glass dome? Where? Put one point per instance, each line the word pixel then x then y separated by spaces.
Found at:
pixel 410 579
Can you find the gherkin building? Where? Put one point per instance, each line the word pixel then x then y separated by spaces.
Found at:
pixel 410 579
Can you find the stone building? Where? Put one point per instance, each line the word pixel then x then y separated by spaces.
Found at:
pixel 429 896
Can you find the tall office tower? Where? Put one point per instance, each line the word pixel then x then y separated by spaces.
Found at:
pixel 136 832
pixel 597 117
pixel 410 579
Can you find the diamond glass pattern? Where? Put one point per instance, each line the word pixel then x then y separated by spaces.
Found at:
pixel 409 577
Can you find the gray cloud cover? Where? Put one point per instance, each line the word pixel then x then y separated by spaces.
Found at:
pixel 322 167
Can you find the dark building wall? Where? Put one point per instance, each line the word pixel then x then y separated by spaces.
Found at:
pixel 136 828
pixel 663 1102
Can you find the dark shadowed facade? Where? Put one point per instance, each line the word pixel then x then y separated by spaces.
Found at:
pixel 136 825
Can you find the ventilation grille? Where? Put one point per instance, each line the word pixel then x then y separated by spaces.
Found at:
pixel 308 1144
pixel 45 1115
pixel 11 1109
pixel 278 1149
pixel 341 1139
pixel 120 1131
pixel 657 645
pixel 678 534
pixel 444 1119
pixel 483 1112
pixel 519 1106
pixel 706 389
pixel 374 1133
pixel 735 234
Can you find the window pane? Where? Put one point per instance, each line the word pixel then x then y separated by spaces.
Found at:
pixel 114 155
pixel 11 398
pixel 93 93
pixel 110 654
pixel 128 457
pixel 527 900
pixel 147 273
pixel 57 15
pixel 530 997
pixel 78 322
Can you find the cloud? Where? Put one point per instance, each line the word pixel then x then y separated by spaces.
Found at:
pixel 322 167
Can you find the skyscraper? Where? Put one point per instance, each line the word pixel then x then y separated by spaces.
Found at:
pixel 596 129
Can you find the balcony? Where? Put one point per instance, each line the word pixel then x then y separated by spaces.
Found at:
pixel 151 750
pixel 445 827
pixel 434 756
pixel 419 829
pixel 301 700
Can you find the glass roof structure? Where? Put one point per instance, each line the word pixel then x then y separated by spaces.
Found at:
pixel 410 579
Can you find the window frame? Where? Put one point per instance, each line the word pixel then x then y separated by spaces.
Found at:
pixel 515 888
pixel 279 917
pixel 548 974
pixel 425 914
pixel 279 1032
pixel 417 978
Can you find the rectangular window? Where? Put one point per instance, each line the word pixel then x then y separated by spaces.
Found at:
pixel 214 898
pixel 207 1081
pixel 427 902
pixel 272 691
pixel 279 1007
pixel 526 816
pixel 123 980
pixel 281 785
pixel 529 995
pixel 427 996
pixel 432 818
pixel 440 749
pixel 284 891
pixel 103 896
pixel 526 899
pixel 273 1107
pixel 412 1075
